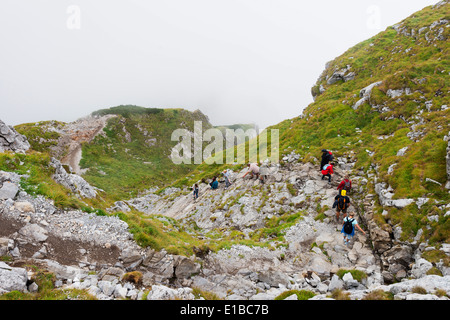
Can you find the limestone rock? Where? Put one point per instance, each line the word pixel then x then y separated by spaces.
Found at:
pixel 11 140
pixel 365 93
pixel 71 181
pixel 12 279
pixel 34 233
pixel 185 268
pixel 24 206
pixel 274 278
pixel 8 190
pixel 160 292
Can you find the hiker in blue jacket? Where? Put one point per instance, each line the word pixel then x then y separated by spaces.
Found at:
pixel 348 228
pixel 214 184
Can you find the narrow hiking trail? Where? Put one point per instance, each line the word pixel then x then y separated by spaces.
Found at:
pixel 312 244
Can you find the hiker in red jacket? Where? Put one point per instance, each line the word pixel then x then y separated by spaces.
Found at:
pixel 346 184
pixel 327 171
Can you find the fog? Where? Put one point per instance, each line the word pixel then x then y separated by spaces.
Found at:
pixel 247 61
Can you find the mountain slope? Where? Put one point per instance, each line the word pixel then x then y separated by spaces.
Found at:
pixel 381 108
pixel 121 150
pixel 133 152
pixel 385 103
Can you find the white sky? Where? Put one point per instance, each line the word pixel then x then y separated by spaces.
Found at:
pixel 246 61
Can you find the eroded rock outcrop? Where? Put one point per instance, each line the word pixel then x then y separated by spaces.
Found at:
pixel 11 140
pixel 72 181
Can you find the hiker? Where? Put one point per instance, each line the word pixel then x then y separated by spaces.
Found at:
pixel 327 171
pixel 341 203
pixel 214 184
pixel 263 171
pixel 253 170
pixel 226 175
pixel 327 157
pixel 345 184
pixel 348 227
pixel 195 192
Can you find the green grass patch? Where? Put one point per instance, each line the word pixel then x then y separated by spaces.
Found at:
pixel 356 274
pixel 301 294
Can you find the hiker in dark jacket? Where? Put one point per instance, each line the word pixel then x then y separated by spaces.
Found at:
pixel 326 158
pixel 341 203
pixel 195 191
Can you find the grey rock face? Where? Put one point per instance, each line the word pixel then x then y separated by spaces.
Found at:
pixel 385 195
pixel 344 74
pixel 34 233
pixel 11 140
pixel 73 182
pixel 12 279
pixel 8 190
pixel 120 206
pixel 274 278
pixel 365 93
pixel 8 185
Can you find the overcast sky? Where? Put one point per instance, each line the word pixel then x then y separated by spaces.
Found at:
pixel 246 61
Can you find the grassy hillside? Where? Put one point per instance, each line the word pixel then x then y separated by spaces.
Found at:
pixel 406 109
pixel 41 135
pixel 133 153
pixel 401 62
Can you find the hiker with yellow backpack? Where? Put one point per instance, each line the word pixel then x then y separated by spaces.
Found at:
pixel 341 203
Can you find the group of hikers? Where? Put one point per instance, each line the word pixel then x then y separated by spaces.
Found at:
pixel 341 201
pixel 214 184
pixel 253 170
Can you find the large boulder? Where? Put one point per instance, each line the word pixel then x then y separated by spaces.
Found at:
pixel 343 74
pixel 159 263
pixel 71 181
pixel 12 279
pixel 11 140
pixel 185 268
pixel 9 182
pixel 34 233
pixel 8 190
pixel 274 278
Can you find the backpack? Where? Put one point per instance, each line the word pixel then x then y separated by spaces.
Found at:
pixel 341 205
pixel 347 185
pixel 330 156
pixel 348 226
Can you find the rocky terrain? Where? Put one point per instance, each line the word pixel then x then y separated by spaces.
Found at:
pixel 98 253
pixel 11 140
pixel 251 241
